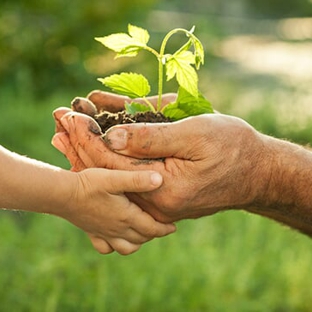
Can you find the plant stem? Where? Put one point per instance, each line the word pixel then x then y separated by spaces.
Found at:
pixel 149 104
pixel 160 82
pixel 162 61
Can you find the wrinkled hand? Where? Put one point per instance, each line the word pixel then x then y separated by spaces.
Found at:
pixel 207 167
pixel 212 163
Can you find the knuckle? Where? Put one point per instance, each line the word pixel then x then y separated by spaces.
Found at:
pixel 152 231
pixel 104 251
pixel 128 249
pixel 138 179
pixel 101 246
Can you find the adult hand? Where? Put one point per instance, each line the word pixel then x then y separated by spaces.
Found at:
pixel 206 167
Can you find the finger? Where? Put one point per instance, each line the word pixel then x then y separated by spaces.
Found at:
pixel 115 103
pixel 60 112
pixel 74 124
pixel 84 106
pixel 108 101
pixel 61 142
pixel 147 203
pixel 153 140
pixel 166 99
pixel 124 247
pixel 100 245
pixel 57 115
pixel 119 181
pixel 69 119
pixel 86 138
pixel 134 237
pixel 58 143
pixel 147 226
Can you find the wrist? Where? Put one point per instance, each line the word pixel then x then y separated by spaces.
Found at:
pixel 267 174
pixel 286 161
pixel 286 176
pixel 62 193
pixel 31 185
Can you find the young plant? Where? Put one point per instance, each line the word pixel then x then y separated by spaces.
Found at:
pixel 182 65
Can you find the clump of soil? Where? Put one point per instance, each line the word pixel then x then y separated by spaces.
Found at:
pixel 106 119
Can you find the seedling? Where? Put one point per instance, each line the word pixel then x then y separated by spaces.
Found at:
pixel 181 65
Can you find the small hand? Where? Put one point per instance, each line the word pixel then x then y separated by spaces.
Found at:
pixel 100 208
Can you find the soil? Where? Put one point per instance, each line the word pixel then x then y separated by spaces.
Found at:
pixel 106 119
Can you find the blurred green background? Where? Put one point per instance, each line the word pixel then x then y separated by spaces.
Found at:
pixel 258 67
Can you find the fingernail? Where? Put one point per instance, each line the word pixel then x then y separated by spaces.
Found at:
pixel 156 179
pixel 64 122
pixel 117 138
pixel 58 144
pixel 94 127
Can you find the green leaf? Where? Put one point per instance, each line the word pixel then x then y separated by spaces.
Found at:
pixel 126 44
pixel 129 84
pixel 139 34
pixel 187 79
pixel 175 62
pixel 179 65
pixel 117 42
pixel 198 48
pixel 199 52
pixel 185 47
pixel 187 105
pixel 133 108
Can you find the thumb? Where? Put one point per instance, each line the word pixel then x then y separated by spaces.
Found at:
pixel 121 181
pixel 152 140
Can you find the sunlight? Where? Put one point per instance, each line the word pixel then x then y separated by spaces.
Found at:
pixel 295 28
pixel 263 55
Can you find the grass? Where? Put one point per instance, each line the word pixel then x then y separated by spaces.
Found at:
pixel 232 261
pixel 228 262
pixel 27 125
